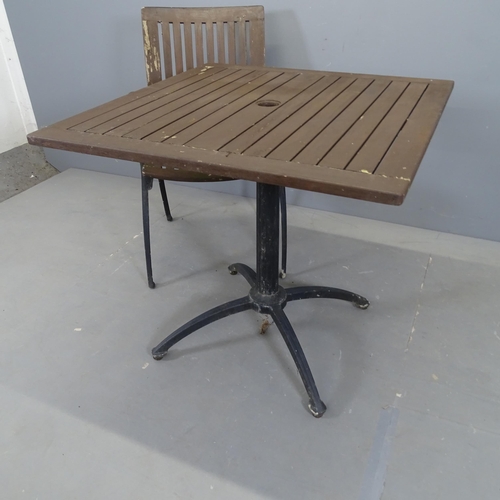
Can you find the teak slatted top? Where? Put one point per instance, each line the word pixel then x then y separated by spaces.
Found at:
pixel 360 136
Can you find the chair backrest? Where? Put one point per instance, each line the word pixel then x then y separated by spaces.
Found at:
pixel 178 39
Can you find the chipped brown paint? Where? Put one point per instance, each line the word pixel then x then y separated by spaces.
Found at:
pixel 152 55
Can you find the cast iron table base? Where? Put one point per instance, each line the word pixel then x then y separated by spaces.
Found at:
pixel 267 296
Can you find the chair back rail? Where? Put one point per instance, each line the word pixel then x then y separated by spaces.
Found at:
pixel 177 39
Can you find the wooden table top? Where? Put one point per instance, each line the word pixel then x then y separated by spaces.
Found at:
pixel 360 136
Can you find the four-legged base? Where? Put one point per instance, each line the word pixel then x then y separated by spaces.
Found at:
pixel 272 304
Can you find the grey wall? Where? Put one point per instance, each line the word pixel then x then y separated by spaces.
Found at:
pixel 77 54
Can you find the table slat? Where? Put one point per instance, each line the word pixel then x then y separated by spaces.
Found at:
pixel 407 150
pixel 142 117
pixel 247 97
pixel 374 149
pixel 168 126
pixel 130 120
pixel 269 122
pixel 158 92
pixel 153 92
pixel 284 131
pixel 234 125
pixel 308 141
pixel 344 150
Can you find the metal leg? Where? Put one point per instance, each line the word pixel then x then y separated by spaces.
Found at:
pixel 219 312
pixel 165 199
pixel 247 272
pixel 316 406
pixel 266 296
pixel 325 292
pixel 147 183
pixel 267 282
pixel 267 293
pixel 284 243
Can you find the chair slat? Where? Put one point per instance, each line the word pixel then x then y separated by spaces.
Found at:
pixel 257 42
pixel 152 51
pixel 177 43
pixel 231 43
pixel 221 48
pixel 188 44
pixel 209 26
pixel 242 49
pixel 198 34
pixel 167 50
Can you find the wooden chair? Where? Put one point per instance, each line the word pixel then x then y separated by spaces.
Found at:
pixel 178 39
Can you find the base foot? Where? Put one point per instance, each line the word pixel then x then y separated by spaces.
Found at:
pixel 317 410
pixel 247 272
pixel 361 302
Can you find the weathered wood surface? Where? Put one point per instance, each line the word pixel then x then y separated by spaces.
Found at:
pixel 179 39
pixel 201 35
pixel 361 136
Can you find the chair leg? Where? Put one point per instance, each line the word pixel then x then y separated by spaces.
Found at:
pixel 165 199
pixel 147 183
pixel 283 231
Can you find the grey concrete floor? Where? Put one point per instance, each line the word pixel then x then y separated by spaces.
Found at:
pixel 22 168
pixel 412 384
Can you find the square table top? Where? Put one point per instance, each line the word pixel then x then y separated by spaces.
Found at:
pixel 353 135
